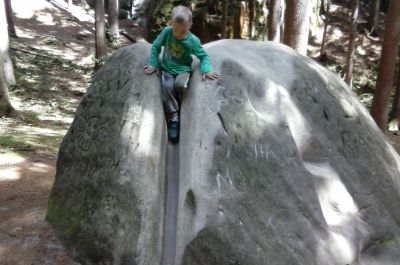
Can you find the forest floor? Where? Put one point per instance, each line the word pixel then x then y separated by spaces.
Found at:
pixel 53 59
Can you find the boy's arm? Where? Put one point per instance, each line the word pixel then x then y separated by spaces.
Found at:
pixel 205 64
pixel 156 48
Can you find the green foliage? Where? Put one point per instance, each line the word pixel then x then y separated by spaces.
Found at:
pixel 9 142
pixel 33 74
pixel 54 41
pixel 159 16
pixel 364 81
pixel 18 141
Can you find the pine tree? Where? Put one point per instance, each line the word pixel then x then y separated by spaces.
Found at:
pixel 297 22
pixel 387 65
pixel 5 103
pixel 273 27
pixel 352 42
pixel 101 49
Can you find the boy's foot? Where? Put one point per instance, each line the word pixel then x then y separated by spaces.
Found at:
pixel 173 131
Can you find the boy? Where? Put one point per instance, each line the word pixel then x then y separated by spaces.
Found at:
pixel 179 43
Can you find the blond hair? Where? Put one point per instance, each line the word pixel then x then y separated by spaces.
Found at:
pixel 181 14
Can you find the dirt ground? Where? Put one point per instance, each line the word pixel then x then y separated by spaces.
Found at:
pixel 53 61
pixel 53 66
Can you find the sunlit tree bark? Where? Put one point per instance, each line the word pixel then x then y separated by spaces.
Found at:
pixel 236 23
pixel 387 65
pixel 373 15
pixel 394 115
pixel 113 7
pixel 101 49
pixel 10 18
pixel 250 7
pixel 274 10
pixel 297 23
pixel 352 42
pixel 224 18
pixel 5 104
pixel 326 23
pixel 8 68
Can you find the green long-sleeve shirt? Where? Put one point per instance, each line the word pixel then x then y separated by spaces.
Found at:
pixel 177 57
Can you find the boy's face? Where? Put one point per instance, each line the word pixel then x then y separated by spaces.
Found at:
pixel 180 29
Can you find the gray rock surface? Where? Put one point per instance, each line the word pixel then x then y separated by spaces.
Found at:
pixel 278 163
pixel 107 200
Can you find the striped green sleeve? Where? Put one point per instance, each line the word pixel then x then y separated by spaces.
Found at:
pixel 198 50
pixel 156 47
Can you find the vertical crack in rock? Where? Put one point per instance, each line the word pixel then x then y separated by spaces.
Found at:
pixel 222 122
pixel 171 205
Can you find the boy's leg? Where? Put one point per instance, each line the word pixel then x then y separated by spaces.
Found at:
pixel 181 82
pixel 170 96
pixel 171 106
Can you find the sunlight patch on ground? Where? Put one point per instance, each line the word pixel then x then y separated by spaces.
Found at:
pixel 39 131
pixel 337 33
pixel 24 33
pixel 27 9
pixel 55 118
pixel 9 174
pixel 46 19
pixel 39 167
pixel 361 50
pixel 10 158
pixel 76 11
pixel 45 113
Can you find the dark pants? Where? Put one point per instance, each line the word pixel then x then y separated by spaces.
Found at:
pixel 173 87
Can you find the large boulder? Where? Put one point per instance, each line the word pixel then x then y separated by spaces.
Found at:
pixel 281 164
pixel 278 164
pixel 106 202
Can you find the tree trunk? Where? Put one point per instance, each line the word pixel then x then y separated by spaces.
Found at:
pixel 236 24
pixel 251 18
pixel 297 23
pixel 10 18
pixel 373 15
pixel 200 28
pixel 387 65
pixel 274 17
pixel 70 4
pixel 5 104
pixel 113 17
pixel 352 42
pixel 224 18
pixel 394 115
pixel 326 23
pixel 8 68
pixel 101 49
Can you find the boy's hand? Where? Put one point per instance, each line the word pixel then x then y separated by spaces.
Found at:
pixel 149 70
pixel 211 75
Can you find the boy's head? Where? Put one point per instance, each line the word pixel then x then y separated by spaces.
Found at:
pixel 181 20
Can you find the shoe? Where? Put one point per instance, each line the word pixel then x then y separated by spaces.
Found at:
pixel 173 131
